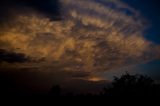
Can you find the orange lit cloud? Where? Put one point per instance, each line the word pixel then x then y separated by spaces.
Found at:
pixel 91 36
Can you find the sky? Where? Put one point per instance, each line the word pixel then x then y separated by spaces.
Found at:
pixel 79 44
pixel 150 10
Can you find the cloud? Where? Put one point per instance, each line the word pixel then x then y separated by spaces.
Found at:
pixel 92 36
pixel 49 8
pixel 6 56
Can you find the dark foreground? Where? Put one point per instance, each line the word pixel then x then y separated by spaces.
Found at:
pixel 127 86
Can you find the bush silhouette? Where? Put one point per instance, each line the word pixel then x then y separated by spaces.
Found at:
pixel 131 85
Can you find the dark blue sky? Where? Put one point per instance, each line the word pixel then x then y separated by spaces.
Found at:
pixel 151 11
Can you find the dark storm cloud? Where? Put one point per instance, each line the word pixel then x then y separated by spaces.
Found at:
pixel 12 57
pixel 48 7
pixel 32 82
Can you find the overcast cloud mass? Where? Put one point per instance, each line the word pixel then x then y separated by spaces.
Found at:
pixel 89 37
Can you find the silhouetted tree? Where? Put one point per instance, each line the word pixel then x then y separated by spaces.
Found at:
pixel 130 85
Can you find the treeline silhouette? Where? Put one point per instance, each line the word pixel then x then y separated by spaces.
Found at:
pixel 126 85
pixel 132 85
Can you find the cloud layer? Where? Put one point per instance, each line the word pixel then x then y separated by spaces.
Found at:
pixel 92 36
